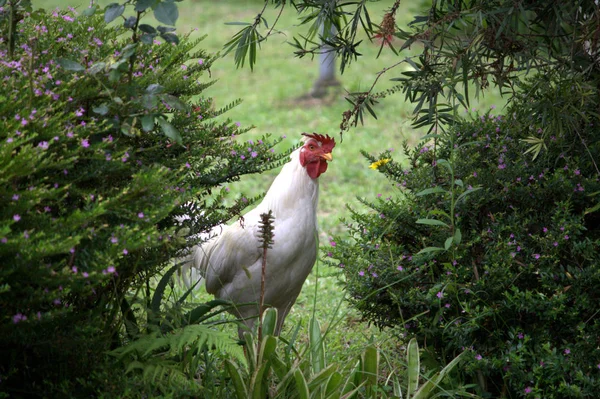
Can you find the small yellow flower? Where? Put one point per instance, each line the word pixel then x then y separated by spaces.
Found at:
pixel 378 164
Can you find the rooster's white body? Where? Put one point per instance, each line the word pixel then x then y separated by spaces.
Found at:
pixel 231 262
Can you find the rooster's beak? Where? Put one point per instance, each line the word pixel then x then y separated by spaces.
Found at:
pixel 327 157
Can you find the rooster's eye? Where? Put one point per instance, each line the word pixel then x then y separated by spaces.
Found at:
pixel 311 147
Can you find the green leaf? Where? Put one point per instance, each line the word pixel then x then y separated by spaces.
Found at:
pixel 146 28
pixel 448 242
pixel 130 22
pixel 259 382
pixel 269 346
pixel 433 382
pixel 371 365
pixel 236 377
pixel 101 109
pixel 430 249
pixel 197 314
pixel 88 12
pixel 432 190
pixel 237 23
pixel 143 5
pixel 160 289
pixel 457 236
pixel 269 321
pixel 322 378
pixel 170 131
pixel 317 349
pixel 414 367
pixel 147 122
pixel 166 13
pixel 70 65
pixel 112 12
pixel 154 88
pixel 464 194
pixel 445 163
pixel 97 67
pixel 170 38
pixel 147 38
pixel 432 222
pixel 174 102
pixel 592 209
pixel 301 385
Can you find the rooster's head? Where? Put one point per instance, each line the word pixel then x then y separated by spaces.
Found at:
pixel 315 153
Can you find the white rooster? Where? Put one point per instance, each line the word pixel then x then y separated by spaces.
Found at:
pixel 231 262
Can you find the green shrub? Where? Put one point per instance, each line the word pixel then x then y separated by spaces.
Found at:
pixel 491 250
pixel 106 141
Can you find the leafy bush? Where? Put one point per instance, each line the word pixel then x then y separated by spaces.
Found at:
pixel 106 143
pixel 491 250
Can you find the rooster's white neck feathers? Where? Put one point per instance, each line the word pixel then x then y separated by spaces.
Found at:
pixel 291 190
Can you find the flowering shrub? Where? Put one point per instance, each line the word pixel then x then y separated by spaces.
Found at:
pixel 106 140
pixel 491 251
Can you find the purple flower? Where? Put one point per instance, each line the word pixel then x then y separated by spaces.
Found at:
pixel 74 269
pixel 16 217
pixel 114 240
pixel 15 197
pixel 361 273
pixel 537 256
pixel 125 252
pixel 400 268
pixel 200 61
pixel 520 335
pixel 253 154
pixel 447 305
pixel 19 317
pixel 332 243
pixel 79 112
pixel 141 215
pixel 528 390
pixel 85 274
pixel 440 294
pixel 567 351
pixel 110 269
pixel 85 143
pixel 43 145
pixel 577 172
pixel 478 357
pixel 566 237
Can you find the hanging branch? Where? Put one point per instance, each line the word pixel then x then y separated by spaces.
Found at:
pixel 266 238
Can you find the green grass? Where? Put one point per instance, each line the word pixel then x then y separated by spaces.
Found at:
pixel 272 103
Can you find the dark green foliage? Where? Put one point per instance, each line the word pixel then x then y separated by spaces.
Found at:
pixel 518 284
pixel 106 143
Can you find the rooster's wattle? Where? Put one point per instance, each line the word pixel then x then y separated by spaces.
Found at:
pixel 231 261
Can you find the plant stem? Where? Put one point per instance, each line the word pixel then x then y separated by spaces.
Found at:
pixel 134 39
pixel 12 24
pixel 261 305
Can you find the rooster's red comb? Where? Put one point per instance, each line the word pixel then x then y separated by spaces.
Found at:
pixel 327 143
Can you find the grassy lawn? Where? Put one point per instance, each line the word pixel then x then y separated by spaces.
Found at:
pixel 273 102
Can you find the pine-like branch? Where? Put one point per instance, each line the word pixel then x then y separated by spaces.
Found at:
pixel 266 238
